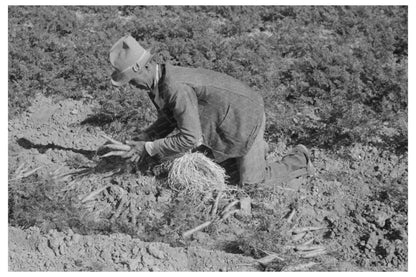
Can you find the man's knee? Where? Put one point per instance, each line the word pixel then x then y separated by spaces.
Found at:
pixel 250 178
pixel 252 167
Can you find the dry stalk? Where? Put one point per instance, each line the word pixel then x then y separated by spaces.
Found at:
pixel 309 247
pixel 111 173
pixel 58 176
pixel 215 206
pixel 120 207
pixel 69 186
pixel 27 174
pixel 133 213
pixel 125 212
pixel 314 253
pixel 292 214
pixel 269 259
pixel 22 172
pixel 229 206
pixel 298 237
pixel 288 189
pixel 93 194
pixel 228 214
pixel 19 169
pixel 308 241
pixel 57 171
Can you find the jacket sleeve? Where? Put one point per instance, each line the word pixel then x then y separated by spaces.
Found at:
pixel 162 127
pixel 182 101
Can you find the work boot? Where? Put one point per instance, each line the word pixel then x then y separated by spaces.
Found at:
pixel 296 163
pixel 309 166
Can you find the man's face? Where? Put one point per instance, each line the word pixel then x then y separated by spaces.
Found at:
pixel 142 79
pixel 138 83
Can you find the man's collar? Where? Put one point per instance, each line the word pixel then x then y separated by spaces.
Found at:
pixel 157 99
pixel 157 77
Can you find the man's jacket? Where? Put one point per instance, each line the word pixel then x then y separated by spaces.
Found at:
pixel 207 108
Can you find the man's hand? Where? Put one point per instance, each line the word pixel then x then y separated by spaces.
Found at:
pixel 133 150
pixel 137 151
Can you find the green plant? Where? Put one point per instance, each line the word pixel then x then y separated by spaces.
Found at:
pixel 349 63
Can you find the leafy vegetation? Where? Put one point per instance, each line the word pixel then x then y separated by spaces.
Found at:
pixel 330 75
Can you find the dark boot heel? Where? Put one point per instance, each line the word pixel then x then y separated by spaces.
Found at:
pixel 309 166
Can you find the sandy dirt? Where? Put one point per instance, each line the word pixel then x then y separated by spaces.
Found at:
pixel 30 250
pixel 79 213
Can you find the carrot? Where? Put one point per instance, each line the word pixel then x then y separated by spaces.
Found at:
pixel 309 247
pixel 307 229
pixel 314 253
pixel 196 229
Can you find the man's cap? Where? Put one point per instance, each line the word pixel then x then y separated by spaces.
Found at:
pixel 127 57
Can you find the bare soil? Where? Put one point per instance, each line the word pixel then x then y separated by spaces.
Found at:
pixel 81 213
pixel 30 250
